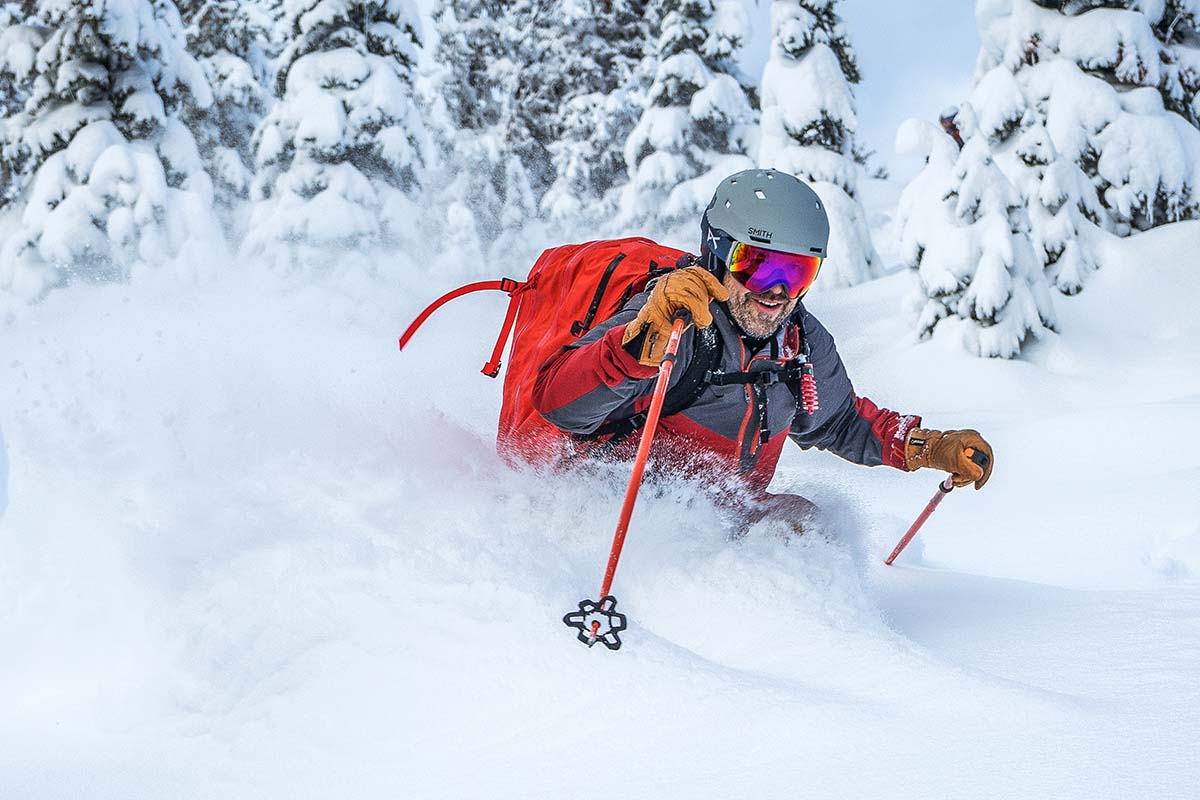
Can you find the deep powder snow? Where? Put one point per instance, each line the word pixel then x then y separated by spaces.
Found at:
pixel 249 550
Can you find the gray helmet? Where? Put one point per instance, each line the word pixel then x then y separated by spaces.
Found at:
pixel 765 208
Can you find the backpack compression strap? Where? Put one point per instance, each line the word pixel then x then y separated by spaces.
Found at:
pixel 514 289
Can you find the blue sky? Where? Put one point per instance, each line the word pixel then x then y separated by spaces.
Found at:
pixel 917 57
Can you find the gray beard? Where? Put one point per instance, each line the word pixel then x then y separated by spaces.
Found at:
pixel 751 323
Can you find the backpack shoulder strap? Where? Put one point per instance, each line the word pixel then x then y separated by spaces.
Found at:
pixel 706 353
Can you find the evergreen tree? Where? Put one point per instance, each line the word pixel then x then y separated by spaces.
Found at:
pixel 340 157
pixel 808 125
pixel 588 153
pixel 547 82
pixel 228 37
pixel 481 136
pixel 1179 31
pixel 1097 78
pixel 19 44
pixel 965 232
pixel 696 127
pixel 1065 213
pixel 116 179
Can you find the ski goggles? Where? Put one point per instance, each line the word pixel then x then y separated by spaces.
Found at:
pixel 759 269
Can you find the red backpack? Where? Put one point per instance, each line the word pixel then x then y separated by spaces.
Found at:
pixel 569 290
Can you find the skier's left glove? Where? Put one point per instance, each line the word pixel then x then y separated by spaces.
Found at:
pixel 948 451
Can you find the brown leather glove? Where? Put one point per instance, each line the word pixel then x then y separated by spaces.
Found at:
pixel 690 289
pixel 948 451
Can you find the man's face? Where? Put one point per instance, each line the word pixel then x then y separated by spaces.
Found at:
pixel 759 314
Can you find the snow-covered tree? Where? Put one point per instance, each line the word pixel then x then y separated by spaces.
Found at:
pixel 1065 213
pixel 116 179
pixel 697 126
pixel 808 125
pixel 549 83
pixel 18 48
pixel 588 151
pixel 1097 78
pixel 965 232
pixel 1179 31
pixel 481 136
pixel 229 38
pixel 340 157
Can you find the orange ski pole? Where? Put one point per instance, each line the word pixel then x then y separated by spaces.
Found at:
pixel 943 489
pixel 592 616
pixel 643 453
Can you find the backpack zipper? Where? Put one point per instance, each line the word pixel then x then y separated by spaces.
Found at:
pixel 580 327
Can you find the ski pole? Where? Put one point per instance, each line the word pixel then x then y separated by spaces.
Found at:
pixel 591 616
pixel 643 453
pixel 943 489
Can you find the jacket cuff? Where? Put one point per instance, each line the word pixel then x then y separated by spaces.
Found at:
pixel 623 359
pixel 895 446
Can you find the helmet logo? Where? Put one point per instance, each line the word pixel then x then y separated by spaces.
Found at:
pixel 713 242
pixel 760 235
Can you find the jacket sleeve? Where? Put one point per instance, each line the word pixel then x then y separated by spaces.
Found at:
pixel 853 427
pixel 596 379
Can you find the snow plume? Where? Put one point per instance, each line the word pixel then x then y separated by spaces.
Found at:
pixel 340 158
pixel 808 125
pixel 115 180
pixel 965 232
pixel 696 127
pixel 1110 86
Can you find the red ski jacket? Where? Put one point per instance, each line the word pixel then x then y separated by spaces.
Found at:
pixel 733 430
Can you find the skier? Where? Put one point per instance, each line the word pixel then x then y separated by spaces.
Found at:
pixel 777 376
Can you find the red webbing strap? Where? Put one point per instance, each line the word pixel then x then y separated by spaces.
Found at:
pixel 446 298
pixel 492 367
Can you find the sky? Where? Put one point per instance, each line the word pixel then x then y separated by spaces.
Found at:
pixel 916 56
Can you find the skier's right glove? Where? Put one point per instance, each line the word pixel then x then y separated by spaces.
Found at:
pixel 950 451
pixel 690 289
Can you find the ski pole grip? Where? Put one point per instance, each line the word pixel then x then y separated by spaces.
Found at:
pixel 979 457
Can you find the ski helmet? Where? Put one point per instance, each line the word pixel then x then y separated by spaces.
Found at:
pixel 763 208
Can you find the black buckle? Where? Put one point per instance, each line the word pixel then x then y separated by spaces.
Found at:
pixel 509 285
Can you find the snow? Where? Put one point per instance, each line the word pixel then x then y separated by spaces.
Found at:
pixel 247 549
pixel 826 91
pixel 3 475
pixel 18 49
pixel 1116 40
pixel 250 550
